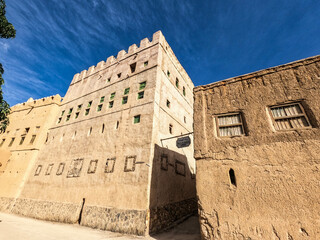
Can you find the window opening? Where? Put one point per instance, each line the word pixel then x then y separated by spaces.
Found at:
pixel 119 75
pixel 62 113
pixel 133 67
pixel 126 91
pixel 90 131
pixel 184 91
pixel 102 130
pixel 70 110
pixel 232 177
pixel 99 107
pixel 111 104
pixel 79 107
pixel 142 85
pixel 59 120
pixel 177 82
pixel 168 103
pixel 11 142
pixel 136 119
pixel 32 139
pixel 125 100
pixel 170 128
pixel 168 73
pixel 87 111
pixel 140 95
pixel 112 95
pixel 2 142
pixel 68 117
pixel 230 125
pixel 146 63
pixel 109 79
pixel 77 115
pixel 102 99
pixel 22 140
pixel 89 104
pixel 117 125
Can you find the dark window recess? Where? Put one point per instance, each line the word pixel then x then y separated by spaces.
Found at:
pixel 102 130
pixel 140 95
pixel 124 100
pixel 184 91
pixel 59 120
pixel 117 125
pixel 2 142
pixel 136 119
pixel 68 117
pixel 112 95
pixel 170 128
pixel 142 85
pixel 11 142
pixel 232 177
pixel 60 169
pixel 146 63
pixel 168 73
pixel 79 107
pixel 89 104
pixel 27 130
pixel 168 103
pixel 77 115
pixel 130 164
pixel 87 111
pixel 126 91
pixel 38 170
pixel 102 99
pixel 70 110
pixel 62 113
pixel 109 79
pixel 119 75
pixel 111 104
pixel 185 119
pixel 90 131
pixel 133 67
pixel 177 82
pixel 22 140
pixel 99 108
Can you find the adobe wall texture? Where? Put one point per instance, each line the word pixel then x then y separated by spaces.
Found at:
pixel 103 164
pixel 27 120
pixel 277 172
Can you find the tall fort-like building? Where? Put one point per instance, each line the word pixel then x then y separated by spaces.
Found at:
pixel 110 160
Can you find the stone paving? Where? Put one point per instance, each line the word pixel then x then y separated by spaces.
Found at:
pixel 14 227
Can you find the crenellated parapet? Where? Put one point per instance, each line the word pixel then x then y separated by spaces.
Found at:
pixel 122 54
pixel 31 103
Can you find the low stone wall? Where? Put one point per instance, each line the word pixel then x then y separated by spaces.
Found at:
pixel 45 210
pixel 165 216
pixel 5 204
pixel 115 220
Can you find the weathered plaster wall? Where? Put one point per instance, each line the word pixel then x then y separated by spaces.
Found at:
pixel 17 160
pixel 277 172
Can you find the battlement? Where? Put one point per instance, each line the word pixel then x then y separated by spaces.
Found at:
pixel 37 102
pixel 123 54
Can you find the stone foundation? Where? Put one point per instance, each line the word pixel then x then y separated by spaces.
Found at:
pixel 5 204
pixel 115 220
pixel 165 216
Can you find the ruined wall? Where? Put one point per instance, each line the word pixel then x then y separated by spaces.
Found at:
pixel 20 144
pixel 274 193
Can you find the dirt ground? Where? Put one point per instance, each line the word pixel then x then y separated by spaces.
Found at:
pixel 14 227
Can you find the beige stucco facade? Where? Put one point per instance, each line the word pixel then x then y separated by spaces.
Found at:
pixel 21 143
pixel 111 161
pixel 262 182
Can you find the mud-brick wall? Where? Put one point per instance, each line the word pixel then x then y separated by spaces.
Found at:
pixel 277 174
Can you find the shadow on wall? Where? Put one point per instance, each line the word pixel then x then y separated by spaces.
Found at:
pixel 173 189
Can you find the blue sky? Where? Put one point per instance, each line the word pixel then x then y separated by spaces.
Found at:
pixel 213 40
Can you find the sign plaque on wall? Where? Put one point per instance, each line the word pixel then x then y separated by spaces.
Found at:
pixel 183 142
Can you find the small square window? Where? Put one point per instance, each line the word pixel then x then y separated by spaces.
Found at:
pixel 136 119
pixel 140 95
pixel 70 110
pixel 133 67
pixel 77 115
pixel 126 91
pixel 125 100
pixel 111 104
pixel 62 113
pixel 89 104
pixel 130 164
pixel 289 116
pixel 102 99
pixel 99 108
pixel 109 168
pixel 142 85
pixel 109 79
pixel 32 139
pixel 168 104
pixel 230 125
pixel 177 82
pixel 184 91
pixel 112 95
pixel 22 140
pixel 79 107
pixel 87 111
pixel 146 63
pixel 68 117
pixel 59 120
pixel 119 75
pixel 11 142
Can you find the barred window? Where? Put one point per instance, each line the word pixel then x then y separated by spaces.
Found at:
pixel 289 116
pixel 230 125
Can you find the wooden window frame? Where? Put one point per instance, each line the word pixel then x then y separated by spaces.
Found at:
pixel 230 125
pixel 303 114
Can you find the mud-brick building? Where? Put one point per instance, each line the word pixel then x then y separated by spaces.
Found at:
pixel 257 150
pixel 21 143
pixel 111 160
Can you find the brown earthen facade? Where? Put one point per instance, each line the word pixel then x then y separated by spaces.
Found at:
pixel 21 143
pixel 111 160
pixel 257 142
